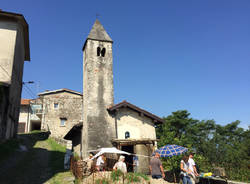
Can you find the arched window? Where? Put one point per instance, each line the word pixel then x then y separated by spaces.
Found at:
pixel 98 51
pixel 127 135
pixel 103 52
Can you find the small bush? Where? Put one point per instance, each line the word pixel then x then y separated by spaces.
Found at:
pixel 76 157
pixel 102 181
pixel 115 175
pixel 132 177
pixel 145 177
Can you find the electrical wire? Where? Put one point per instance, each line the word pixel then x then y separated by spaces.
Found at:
pixel 16 78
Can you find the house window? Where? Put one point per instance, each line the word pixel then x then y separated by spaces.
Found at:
pixel 63 121
pixel 127 135
pixel 55 105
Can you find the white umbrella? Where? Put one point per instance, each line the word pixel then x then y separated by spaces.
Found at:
pixel 110 150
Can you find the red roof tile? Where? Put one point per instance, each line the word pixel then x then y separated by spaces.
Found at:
pixel 25 101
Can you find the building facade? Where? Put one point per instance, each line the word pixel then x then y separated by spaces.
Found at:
pixel 30 115
pixel 136 134
pixel 61 110
pixel 24 116
pixel 14 50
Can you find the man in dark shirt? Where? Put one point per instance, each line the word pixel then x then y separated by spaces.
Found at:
pixel 156 168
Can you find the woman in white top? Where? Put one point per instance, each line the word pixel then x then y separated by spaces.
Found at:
pixel 120 165
pixel 185 170
pixel 100 163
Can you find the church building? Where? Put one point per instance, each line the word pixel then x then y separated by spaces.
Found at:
pixel 104 123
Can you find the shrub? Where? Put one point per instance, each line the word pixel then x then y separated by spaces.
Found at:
pixel 115 175
pixel 132 177
pixel 102 181
pixel 145 177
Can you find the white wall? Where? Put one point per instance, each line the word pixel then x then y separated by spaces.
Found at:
pixel 138 126
pixel 24 116
pixel 11 71
pixel 8 32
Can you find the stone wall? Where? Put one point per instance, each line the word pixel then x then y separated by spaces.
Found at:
pixel 69 108
pixel 146 150
pixel 98 125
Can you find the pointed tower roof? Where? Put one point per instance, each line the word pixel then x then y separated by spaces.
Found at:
pixel 98 33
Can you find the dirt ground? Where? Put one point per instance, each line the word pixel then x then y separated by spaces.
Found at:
pixel 29 165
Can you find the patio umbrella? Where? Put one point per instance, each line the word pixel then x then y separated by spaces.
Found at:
pixel 171 150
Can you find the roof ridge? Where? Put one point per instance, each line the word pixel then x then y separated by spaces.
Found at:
pixel 134 107
pixel 98 32
pixel 59 90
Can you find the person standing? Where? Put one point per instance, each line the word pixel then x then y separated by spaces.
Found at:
pixel 120 165
pixel 156 168
pixel 135 163
pixel 192 167
pixel 185 170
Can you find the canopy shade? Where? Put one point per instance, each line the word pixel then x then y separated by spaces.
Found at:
pixel 110 150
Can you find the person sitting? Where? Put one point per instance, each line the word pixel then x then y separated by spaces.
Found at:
pixel 89 163
pixel 120 165
pixel 185 170
pixel 100 163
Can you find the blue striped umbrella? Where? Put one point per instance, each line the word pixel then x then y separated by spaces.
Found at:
pixel 171 150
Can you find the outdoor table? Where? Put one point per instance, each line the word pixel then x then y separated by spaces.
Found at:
pixel 212 180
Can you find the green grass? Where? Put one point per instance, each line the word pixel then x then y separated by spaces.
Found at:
pixel 56 160
pixel 132 177
pixel 55 146
pixel 115 175
pixel 60 178
pixel 145 177
pixel 35 131
pixel 102 181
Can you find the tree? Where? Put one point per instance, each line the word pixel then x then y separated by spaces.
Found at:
pixel 225 146
pixel 176 129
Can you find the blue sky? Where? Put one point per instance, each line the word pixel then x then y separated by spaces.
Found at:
pixel 168 55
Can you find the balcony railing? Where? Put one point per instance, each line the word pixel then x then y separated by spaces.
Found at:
pixel 34 117
pixel 38 111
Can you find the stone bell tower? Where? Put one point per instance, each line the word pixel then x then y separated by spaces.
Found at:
pixel 98 91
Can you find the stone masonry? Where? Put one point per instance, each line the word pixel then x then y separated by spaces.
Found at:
pixel 98 125
pixel 60 105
